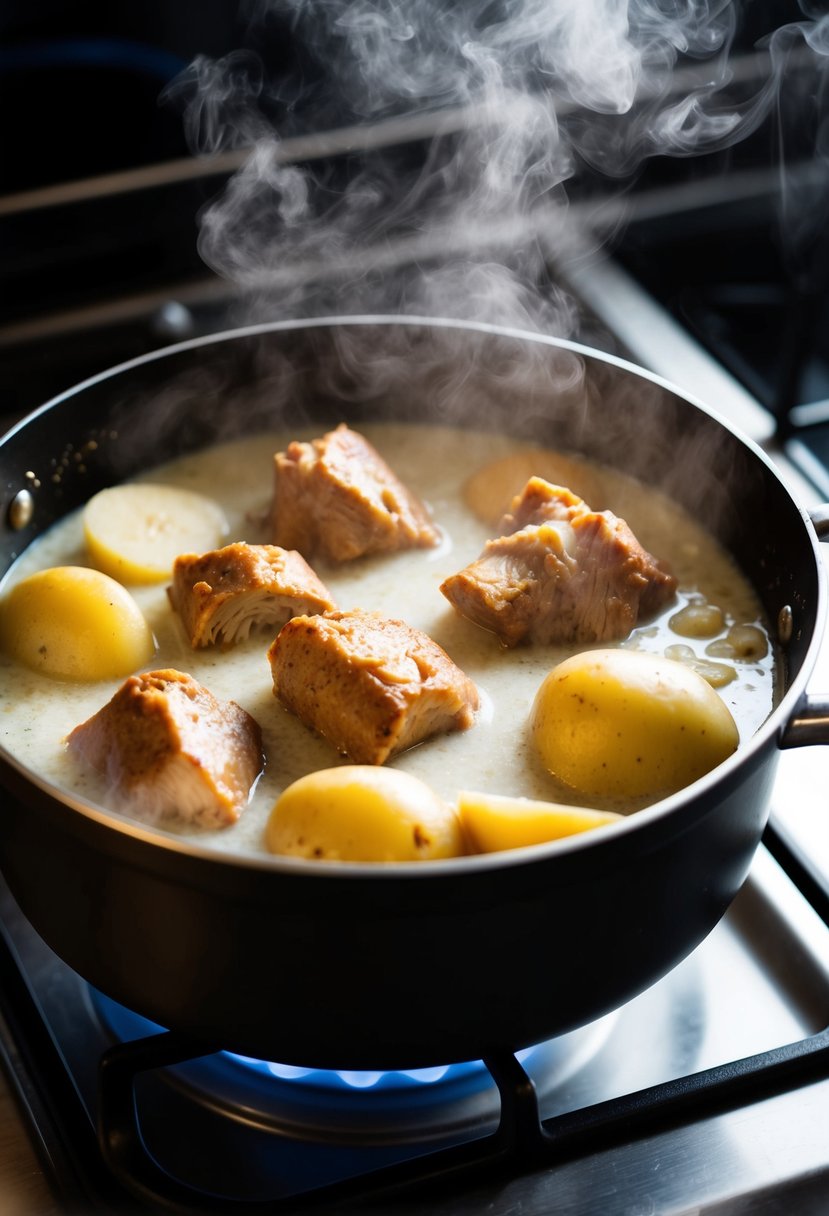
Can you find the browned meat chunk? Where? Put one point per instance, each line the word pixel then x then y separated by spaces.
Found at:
pixel 223 595
pixel 568 574
pixel 541 502
pixel 370 685
pixel 338 499
pixel 169 749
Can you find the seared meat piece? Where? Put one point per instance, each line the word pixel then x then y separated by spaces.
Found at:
pixel 569 575
pixel 168 748
pixel 541 502
pixel 372 686
pixel 337 498
pixel 222 595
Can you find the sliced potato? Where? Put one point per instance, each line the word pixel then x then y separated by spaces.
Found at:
pixel 363 813
pixel 76 624
pixel 490 490
pixel 493 822
pixel 629 725
pixel 135 532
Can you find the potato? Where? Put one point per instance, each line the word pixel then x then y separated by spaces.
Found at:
pixel 492 822
pixel 74 623
pixel 490 490
pixel 362 813
pixel 622 724
pixel 135 532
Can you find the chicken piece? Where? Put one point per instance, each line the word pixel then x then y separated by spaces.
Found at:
pixel 371 686
pixel 569 575
pixel 541 502
pixel 169 749
pixel 338 499
pixel 221 596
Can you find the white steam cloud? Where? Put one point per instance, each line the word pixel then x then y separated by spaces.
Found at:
pixel 799 55
pixel 521 99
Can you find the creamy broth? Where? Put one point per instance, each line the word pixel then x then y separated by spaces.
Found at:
pixel 495 755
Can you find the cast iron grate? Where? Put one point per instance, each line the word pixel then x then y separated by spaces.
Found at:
pixel 522 1141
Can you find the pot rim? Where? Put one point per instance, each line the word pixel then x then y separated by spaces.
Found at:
pixel 767 735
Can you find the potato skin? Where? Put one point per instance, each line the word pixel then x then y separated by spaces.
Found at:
pixel 74 624
pixel 625 725
pixel 358 812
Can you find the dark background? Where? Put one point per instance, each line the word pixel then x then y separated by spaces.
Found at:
pixel 80 83
pixel 85 91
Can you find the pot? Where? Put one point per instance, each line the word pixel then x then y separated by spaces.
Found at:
pixel 401 966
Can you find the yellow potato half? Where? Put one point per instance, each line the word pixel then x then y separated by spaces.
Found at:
pixel 74 623
pixel 362 813
pixel 493 822
pixel 135 532
pixel 622 724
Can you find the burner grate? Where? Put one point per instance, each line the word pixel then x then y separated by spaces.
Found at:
pixel 522 1140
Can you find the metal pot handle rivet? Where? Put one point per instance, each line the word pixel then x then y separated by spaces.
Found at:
pixel 21 510
pixel 785 624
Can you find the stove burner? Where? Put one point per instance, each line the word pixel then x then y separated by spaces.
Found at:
pixel 427 1105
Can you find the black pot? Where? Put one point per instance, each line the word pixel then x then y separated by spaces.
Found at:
pixel 359 966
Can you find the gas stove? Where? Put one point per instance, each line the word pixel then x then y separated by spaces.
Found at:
pixel 709 1092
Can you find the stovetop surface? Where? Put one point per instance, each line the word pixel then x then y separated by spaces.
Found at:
pixel 759 983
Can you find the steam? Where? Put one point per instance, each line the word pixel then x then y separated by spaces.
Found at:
pixel 800 65
pixel 526 104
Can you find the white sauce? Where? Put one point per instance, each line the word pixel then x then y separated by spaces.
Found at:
pixel 495 755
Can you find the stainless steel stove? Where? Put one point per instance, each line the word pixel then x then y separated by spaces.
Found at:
pixel 707 1094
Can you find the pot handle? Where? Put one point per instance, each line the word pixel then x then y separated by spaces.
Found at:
pixel 809 723
pixel 820 520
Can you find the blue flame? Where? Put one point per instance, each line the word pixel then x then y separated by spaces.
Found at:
pixel 369 1079
pixel 128 1025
